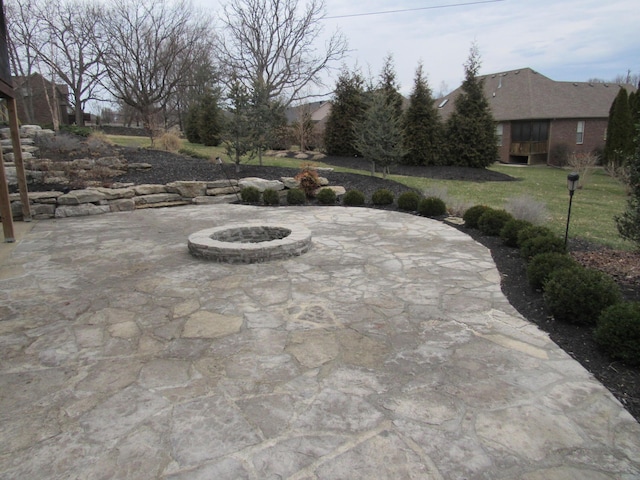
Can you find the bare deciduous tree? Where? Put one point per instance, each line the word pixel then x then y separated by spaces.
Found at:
pixel 149 49
pixel 59 36
pixel 22 31
pixel 69 48
pixel 272 43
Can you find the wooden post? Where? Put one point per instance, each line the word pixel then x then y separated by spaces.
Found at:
pixel 17 158
pixel 5 205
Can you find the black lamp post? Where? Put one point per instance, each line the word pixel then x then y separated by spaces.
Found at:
pixel 572 185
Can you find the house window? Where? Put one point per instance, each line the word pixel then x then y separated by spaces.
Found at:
pixel 499 131
pixel 580 133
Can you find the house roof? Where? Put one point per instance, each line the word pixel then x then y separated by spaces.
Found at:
pixel 525 94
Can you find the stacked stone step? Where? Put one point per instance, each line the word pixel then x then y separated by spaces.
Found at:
pixel 28 134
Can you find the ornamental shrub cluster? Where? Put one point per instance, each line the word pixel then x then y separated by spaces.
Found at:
pixel 408 201
pixel 431 207
pixel 250 195
pixel 353 198
pixel 382 197
pixel 326 196
pixel 270 197
pixel 571 292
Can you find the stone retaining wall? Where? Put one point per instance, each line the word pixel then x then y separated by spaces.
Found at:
pixel 120 198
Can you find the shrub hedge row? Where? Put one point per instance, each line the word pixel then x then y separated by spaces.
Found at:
pixel 571 292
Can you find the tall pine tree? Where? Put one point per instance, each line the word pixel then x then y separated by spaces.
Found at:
pixel 347 109
pixel 619 144
pixel 421 125
pixel 390 87
pixel 471 131
pixel 629 222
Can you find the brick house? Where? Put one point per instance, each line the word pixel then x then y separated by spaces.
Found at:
pixel 540 120
pixel 31 100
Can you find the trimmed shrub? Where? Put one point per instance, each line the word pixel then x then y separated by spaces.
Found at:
pixel 270 197
pixel 511 229
pixel 543 265
pixel 250 195
pixel 431 207
pixel 533 231
pixel 409 201
pixel 295 196
pixel 382 197
pixel 353 198
pixel 491 222
pixel 326 196
pixel 618 332
pixel 578 295
pixel 544 244
pixel 473 214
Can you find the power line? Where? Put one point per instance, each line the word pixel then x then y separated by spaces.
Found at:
pixel 413 9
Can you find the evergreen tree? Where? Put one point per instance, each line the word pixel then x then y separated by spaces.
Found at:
pixel 390 87
pixel 619 144
pixel 210 120
pixel 471 131
pixel 347 110
pixel 629 222
pixel 267 116
pixel 422 127
pixel 634 106
pixel 191 124
pixel 379 135
pixel 238 137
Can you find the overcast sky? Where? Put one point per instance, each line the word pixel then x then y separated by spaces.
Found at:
pixel 572 40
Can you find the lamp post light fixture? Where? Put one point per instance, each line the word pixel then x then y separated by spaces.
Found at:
pixel 572 185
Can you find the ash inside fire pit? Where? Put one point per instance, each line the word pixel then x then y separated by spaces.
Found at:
pixel 251 234
pixel 249 243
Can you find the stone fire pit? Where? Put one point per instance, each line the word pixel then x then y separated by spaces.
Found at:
pixel 249 243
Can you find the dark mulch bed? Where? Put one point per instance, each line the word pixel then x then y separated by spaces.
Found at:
pixel 622 381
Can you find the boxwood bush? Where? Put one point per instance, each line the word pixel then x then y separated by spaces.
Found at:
pixel 618 332
pixel 295 196
pixel 578 295
pixel 511 229
pixel 250 195
pixel 270 197
pixel 326 196
pixel 473 214
pixel 542 244
pixel 432 207
pixel 382 197
pixel 492 220
pixel 533 231
pixel 408 201
pixel 543 265
pixel 353 198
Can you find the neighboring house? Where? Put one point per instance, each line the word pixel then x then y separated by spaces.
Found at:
pixel 540 120
pixel 319 112
pixel 32 104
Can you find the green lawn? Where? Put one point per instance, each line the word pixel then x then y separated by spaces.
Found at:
pixel 594 206
pixel 593 209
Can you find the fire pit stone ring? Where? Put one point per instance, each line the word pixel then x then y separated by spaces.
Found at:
pixel 249 243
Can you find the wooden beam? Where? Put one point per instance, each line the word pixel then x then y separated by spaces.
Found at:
pixel 5 205
pixel 17 158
